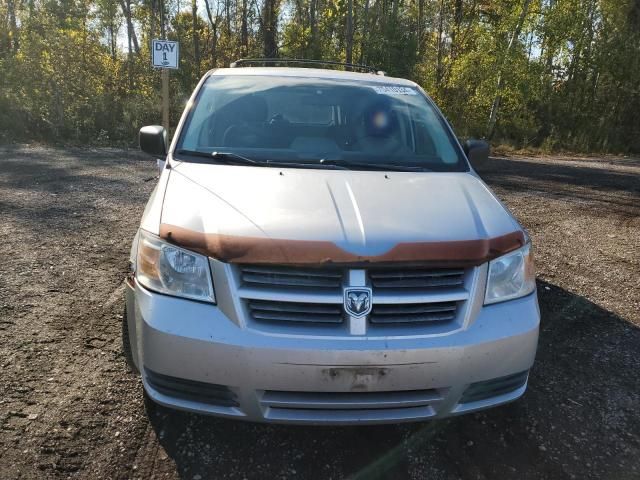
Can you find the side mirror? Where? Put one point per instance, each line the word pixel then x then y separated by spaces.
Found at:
pixel 153 140
pixel 476 150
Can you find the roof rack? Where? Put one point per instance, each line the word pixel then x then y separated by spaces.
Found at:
pixel 243 62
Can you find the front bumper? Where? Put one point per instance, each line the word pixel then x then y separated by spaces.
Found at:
pixel 327 380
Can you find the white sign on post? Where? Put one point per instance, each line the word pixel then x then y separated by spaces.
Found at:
pixel 165 54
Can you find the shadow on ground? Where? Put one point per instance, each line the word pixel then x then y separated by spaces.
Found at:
pixel 50 191
pixel 577 420
pixel 617 189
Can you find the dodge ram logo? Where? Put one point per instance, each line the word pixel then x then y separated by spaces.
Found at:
pixel 357 301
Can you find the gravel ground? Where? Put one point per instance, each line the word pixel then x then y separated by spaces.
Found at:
pixel 69 408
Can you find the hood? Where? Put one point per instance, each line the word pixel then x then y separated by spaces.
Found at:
pixel 341 215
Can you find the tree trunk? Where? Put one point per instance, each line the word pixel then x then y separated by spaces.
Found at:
pixel 152 22
pixel 440 46
pixel 365 32
pixel 244 31
pixel 14 43
pixel 349 39
pixel 112 38
pixel 132 40
pixel 214 33
pixel 214 46
pixel 163 26
pixel 495 107
pixel 420 26
pixel 125 5
pixel 270 28
pixel 313 25
pixel 457 26
pixel 196 37
pixel 112 12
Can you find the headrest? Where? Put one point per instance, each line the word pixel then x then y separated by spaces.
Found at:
pixel 251 109
pixel 379 118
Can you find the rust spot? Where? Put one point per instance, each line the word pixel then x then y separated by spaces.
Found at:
pixel 238 249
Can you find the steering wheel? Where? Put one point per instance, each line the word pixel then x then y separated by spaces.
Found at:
pixel 278 118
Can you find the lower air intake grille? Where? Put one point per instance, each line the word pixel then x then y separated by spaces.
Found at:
pixel 191 390
pixel 349 400
pixel 493 388
pixel 413 313
pixel 310 313
pixel 345 407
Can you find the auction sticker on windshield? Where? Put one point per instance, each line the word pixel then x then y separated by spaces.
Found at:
pixel 391 90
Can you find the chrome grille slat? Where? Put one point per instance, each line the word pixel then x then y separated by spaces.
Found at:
pixel 293 295
pixel 291 271
pixel 415 308
pixel 396 319
pixel 291 317
pixel 386 297
pixel 290 277
pixel 295 307
pixel 289 281
pixel 417 278
pixel 422 313
pixel 417 283
pixel 274 311
pixel 414 273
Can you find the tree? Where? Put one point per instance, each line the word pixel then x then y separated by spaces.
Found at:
pixel 270 12
pixel 493 116
pixel 541 73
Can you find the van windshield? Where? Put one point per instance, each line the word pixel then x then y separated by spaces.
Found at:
pixel 316 121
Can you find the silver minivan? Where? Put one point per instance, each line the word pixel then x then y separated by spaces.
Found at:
pixel 319 249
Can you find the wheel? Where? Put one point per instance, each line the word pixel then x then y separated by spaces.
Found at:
pixel 126 344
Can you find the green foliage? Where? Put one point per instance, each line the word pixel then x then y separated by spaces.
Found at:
pixel 555 73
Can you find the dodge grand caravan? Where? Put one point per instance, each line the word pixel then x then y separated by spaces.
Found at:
pixel 319 249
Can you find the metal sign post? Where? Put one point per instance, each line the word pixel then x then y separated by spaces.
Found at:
pixel 165 55
pixel 165 99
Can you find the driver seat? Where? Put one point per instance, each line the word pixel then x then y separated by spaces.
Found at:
pixel 248 129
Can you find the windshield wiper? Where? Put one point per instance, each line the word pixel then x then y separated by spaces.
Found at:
pixel 226 157
pixel 230 157
pixel 394 167
pixel 235 158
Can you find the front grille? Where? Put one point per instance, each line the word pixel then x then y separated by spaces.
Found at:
pixel 494 387
pixel 413 313
pixel 274 311
pixel 410 298
pixel 350 406
pixel 191 390
pixel 274 277
pixel 419 278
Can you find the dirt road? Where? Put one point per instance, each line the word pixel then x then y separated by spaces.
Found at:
pixel 70 409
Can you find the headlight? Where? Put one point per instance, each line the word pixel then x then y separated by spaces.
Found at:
pixel 511 276
pixel 168 269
